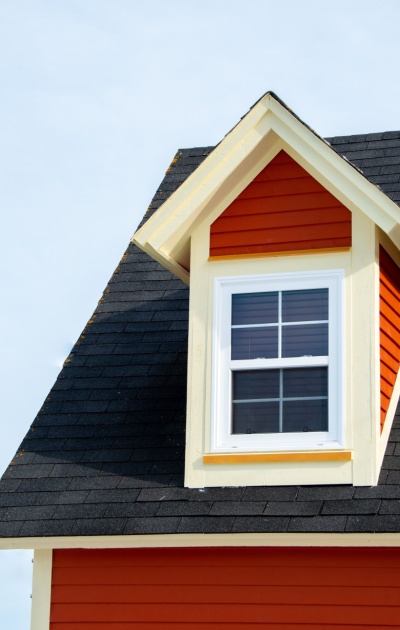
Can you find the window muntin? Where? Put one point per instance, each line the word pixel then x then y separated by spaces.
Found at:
pixel 277 378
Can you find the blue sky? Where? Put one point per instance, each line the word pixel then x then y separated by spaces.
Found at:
pixel 97 95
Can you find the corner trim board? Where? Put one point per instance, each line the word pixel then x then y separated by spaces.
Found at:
pixel 41 589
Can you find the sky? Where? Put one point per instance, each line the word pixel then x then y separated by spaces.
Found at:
pixel 97 96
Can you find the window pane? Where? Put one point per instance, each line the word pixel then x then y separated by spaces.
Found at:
pixel 303 306
pixel 255 308
pixel 251 384
pixel 300 416
pixel 305 340
pixel 260 417
pixel 303 382
pixel 254 343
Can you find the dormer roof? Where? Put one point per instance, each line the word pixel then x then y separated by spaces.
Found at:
pixel 268 128
pixel 105 455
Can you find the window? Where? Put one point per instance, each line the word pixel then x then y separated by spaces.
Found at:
pixel 277 362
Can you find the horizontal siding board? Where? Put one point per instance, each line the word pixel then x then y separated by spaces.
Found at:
pixel 250 613
pixel 386 388
pixel 283 234
pixel 389 310
pixel 278 219
pixel 225 557
pixel 389 314
pixel 390 329
pixel 282 209
pixel 247 576
pixel 282 203
pixel 272 189
pixel 388 361
pixel 183 593
pixel 327 243
pixel 390 346
pixel 275 171
pixel 390 292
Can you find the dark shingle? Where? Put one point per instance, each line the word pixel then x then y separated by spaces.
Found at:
pixel 317 524
pixel 293 508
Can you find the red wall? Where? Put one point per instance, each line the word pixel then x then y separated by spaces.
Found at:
pixel 389 310
pixel 283 209
pixel 225 588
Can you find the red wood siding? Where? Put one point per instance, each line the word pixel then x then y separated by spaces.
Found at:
pixel 389 311
pixel 225 588
pixel 283 209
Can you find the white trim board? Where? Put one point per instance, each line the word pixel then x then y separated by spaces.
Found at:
pixel 41 589
pixel 205 540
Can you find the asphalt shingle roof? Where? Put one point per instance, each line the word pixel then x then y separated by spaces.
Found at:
pixel 105 455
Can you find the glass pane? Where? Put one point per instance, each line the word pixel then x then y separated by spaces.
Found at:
pixel 254 308
pixel 305 340
pixel 254 343
pixel 305 306
pixel 303 416
pixel 300 382
pixel 253 384
pixel 260 417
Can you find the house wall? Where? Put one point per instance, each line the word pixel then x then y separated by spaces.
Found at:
pixel 189 588
pixel 282 209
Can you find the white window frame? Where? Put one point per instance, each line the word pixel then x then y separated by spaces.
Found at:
pixel 224 287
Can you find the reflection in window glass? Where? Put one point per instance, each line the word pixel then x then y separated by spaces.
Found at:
pixel 254 343
pixel 305 306
pixel 255 308
pixel 309 340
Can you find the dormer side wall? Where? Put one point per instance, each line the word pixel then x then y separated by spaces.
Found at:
pixel 389 315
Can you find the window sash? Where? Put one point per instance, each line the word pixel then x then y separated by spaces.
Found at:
pixel 223 365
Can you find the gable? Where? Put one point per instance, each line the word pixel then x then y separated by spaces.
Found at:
pixel 283 209
pixel 268 128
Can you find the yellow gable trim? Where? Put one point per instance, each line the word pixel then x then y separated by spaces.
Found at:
pixel 299 252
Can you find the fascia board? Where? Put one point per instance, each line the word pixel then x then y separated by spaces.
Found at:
pixel 391 539
pixel 186 203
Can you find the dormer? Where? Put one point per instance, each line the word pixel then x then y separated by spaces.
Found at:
pixel 292 257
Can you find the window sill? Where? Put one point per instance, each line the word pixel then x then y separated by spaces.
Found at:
pixel 256 458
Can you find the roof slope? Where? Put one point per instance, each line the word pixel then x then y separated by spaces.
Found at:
pixel 105 455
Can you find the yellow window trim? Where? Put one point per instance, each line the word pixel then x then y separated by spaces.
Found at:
pixel 297 252
pixel 256 458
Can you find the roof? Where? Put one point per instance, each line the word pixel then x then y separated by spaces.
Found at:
pixel 105 454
